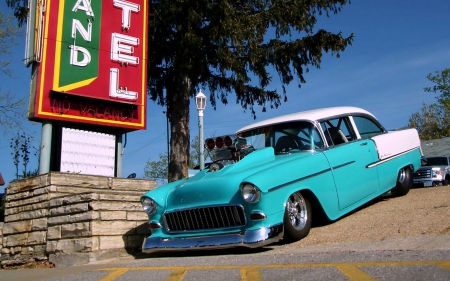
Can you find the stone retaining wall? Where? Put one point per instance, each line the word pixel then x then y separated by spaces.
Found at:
pixel 74 219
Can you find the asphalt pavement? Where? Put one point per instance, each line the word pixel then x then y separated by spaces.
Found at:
pixel 413 258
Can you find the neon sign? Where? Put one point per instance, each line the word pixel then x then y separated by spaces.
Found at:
pixel 93 67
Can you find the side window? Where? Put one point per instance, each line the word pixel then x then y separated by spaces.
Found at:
pixel 338 131
pixel 366 127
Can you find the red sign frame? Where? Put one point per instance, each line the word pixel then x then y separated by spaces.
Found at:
pixel 94 64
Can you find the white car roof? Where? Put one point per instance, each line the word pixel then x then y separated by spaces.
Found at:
pixel 310 115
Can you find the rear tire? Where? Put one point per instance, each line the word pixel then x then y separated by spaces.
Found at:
pixel 404 182
pixel 297 217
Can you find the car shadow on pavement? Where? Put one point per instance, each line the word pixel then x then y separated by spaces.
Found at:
pixel 319 220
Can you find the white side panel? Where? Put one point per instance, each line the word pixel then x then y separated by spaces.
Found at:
pixel 396 142
pixel 87 152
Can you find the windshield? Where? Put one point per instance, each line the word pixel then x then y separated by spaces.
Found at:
pixel 437 161
pixel 286 137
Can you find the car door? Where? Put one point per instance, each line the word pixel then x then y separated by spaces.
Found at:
pixel 348 160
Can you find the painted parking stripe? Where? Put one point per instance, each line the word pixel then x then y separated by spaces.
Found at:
pixel 116 273
pixel 352 271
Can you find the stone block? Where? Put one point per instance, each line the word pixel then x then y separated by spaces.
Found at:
pixel 28 184
pixel 86 216
pixel 15 240
pixel 58 220
pixel 78 180
pixel 74 199
pixel 66 210
pixel 39 224
pixel 81 229
pixel 113 227
pixel 115 206
pixel 17 227
pixel 68 246
pixel 35 201
pixel 112 242
pixel 27 250
pixel 40 191
pixel 120 197
pixel 137 216
pixel 37 237
pixel 71 190
pixel 133 184
pixel 25 208
pixel 6 251
pixel 16 250
pixel 54 232
pixel 113 215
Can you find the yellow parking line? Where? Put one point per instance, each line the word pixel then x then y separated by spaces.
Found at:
pixel 251 274
pixel 444 264
pixel 354 273
pixel 177 274
pixel 116 273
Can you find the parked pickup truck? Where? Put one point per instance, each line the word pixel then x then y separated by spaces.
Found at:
pixel 435 172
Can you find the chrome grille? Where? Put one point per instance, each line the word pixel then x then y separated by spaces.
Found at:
pixel 422 174
pixel 206 218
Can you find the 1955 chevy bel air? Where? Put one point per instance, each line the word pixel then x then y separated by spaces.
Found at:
pixel 269 178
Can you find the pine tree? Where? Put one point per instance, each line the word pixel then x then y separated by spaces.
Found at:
pixel 223 46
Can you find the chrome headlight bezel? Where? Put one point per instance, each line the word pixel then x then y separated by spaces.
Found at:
pixel 149 205
pixel 250 193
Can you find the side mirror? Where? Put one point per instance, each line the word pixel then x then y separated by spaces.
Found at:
pixel 423 160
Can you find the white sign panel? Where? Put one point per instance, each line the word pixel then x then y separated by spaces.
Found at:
pixel 89 153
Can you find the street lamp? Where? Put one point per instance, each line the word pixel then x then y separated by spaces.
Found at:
pixel 200 102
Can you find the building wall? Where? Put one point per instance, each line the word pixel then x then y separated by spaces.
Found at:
pixel 74 219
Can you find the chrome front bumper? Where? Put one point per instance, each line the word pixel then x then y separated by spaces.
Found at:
pixel 249 239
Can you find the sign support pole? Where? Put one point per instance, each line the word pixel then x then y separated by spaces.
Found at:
pixel 46 147
pixel 119 156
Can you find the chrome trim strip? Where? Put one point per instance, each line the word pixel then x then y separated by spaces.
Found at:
pixel 389 158
pixel 249 239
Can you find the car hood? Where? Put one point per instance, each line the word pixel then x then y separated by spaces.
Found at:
pixel 222 187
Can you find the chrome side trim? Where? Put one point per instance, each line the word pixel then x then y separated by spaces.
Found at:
pixel 389 158
pixel 249 238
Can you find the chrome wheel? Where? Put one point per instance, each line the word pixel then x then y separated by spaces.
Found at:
pixel 297 211
pixel 401 175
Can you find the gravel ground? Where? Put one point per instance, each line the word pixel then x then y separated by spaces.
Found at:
pixel 422 212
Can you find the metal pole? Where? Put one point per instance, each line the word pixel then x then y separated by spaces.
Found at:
pixel 119 156
pixel 200 129
pixel 46 148
pixel 168 140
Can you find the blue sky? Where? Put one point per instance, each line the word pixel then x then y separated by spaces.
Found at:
pixel 397 44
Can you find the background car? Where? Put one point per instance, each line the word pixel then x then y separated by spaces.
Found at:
pixel 269 179
pixel 435 172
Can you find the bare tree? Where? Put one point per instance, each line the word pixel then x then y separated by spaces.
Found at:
pixel 12 108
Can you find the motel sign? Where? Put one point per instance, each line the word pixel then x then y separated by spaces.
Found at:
pixel 91 62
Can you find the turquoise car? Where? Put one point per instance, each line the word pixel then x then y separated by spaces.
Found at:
pixel 270 178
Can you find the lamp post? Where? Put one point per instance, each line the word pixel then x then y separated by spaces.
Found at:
pixel 200 102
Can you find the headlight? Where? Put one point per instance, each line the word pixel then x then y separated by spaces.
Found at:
pixel 250 193
pixel 437 172
pixel 149 205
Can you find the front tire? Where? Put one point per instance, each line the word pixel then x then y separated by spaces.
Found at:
pixel 404 182
pixel 297 217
